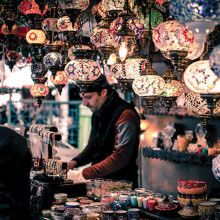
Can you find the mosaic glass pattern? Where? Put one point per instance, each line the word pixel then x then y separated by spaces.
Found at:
pixel 73 49
pixel 116 4
pixel 50 24
pixel 5 30
pixel 31 7
pixel 64 24
pixel 148 85
pixel 199 77
pixel 172 88
pixel 39 90
pixel 171 35
pixel 134 24
pixel 52 59
pixel 35 36
pixel 83 70
pixel 60 78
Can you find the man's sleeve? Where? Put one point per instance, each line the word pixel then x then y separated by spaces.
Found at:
pixel 125 140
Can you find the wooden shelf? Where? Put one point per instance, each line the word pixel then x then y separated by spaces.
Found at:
pixel 178 157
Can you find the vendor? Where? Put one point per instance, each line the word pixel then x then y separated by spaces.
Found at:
pixel 15 166
pixel 113 144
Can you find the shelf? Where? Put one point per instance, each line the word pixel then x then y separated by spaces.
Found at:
pixel 178 157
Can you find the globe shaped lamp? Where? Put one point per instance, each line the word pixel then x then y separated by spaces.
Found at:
pixel 83 71
pixel 36 37
pixel 214 60
pixel 59 80
pixel 200 17
pixel 10 58
pixel 22 61
pixel 53 61
pixel 149 85
pixel 172 89
pixel 39 91
pixel 38 72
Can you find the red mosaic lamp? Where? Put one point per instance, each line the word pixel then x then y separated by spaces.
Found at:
pixel 39 92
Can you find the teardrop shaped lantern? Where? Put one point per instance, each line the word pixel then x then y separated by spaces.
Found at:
pixel 39 92
pixel 11 57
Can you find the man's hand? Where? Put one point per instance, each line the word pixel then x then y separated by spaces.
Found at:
pixel 71 165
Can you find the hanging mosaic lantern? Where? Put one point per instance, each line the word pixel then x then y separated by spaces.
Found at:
pixel 31 7
pixel 38 72
pixel 83 70
pixel 11 57
pixel 59 80
pixel 22 61
pixel 39 91
pixel 53 61
pixel 74 4
pixel 50 24
pixel 36 37
pixel 64 24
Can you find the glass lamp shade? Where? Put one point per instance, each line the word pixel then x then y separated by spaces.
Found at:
pixel 11 57
pixel 5 30
pixel 200 78
pixel 74 4
pixel 39 91
pixel 39 69
pixel 216 167
pixel 156 17
pixel 199 106
pixel 80 52
pixel 59 80
pixel 116 5
pixel 200 17
pixel 52 59
pixel 36 37
pixel 64 24
pixel 83 70
pixel 101 37
pixel 118 70
pixel 172 88
pixel 171 35
pixel 148 85
pixel 195 51
pixel 134 24
pixel 50 24
pixel 31 7
pixel 214 60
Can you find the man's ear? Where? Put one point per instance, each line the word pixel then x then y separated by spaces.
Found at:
pixel 104 92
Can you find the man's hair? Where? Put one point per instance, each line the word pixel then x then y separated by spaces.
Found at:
pixel 98 85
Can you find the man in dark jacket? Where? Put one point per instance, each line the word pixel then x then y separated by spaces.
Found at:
pixel 113 144
pixel 15 165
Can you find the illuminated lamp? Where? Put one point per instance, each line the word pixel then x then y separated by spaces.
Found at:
pixel 53 61
pixel 103 40
pixel 149 85
pixel 83 71
pixel 36 37
pixel 10 58
pixel 102 10
pixel 201 79
pixel 173 36
pixel 214 60
pixel 22 61
pixel 59 80
pixel 80 52
pixel 39 91
pixel 38 72
pixel 172 89
pixel 200 17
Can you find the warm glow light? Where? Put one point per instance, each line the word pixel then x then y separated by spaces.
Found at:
pixel 171 35
pixel 60 78
pixel 199 78
pixel 116 5
pixel 31 7
pixel 39 90
pixel 173 88
pixel 52 59
pixel 83 70
pixel 112 59
pixel 64 24
pixel 144 124
pixel 5 30
pixel 74 4
pixel 123 50
pixel 36 37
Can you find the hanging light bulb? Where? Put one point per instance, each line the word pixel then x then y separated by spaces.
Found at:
pixel 112 59
pixel 123 50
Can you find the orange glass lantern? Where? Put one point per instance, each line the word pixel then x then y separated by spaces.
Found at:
pixel 5 29
pixel 59 80
pixel 39 91
pixel 36 37
pixel 31 7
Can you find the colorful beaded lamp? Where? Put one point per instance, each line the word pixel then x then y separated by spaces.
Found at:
pixel 80 52
pixel 10 58
pixel 83 71
pixel 35 36
pixel 39 91
pixel 59 80
pixel 38 72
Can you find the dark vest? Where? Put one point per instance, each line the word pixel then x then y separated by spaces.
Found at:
pixel 103 136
